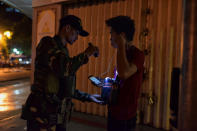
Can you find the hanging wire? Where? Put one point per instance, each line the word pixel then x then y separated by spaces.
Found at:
pixel 109 66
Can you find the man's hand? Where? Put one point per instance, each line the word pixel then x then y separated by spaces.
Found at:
pixel 92 50
pixel 120 40
pixel 96 98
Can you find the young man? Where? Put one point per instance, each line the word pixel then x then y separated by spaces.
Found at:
pixel 130 60
pixel 49 103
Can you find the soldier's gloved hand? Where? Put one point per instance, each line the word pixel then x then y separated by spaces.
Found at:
pixel 92 50
pixel 96 98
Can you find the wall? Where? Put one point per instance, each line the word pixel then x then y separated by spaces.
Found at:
pixel 158 33
pixel 45 23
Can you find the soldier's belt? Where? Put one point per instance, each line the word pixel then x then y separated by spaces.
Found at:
pixel 52 98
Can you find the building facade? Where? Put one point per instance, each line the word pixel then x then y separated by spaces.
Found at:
pixel 159 28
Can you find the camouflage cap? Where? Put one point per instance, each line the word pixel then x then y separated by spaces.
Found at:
pixel 75 22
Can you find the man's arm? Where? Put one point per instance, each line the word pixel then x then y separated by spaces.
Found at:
pixel 125 69
pixel 82 58
pixel 82 96
pixel 73 64
pixel 63 65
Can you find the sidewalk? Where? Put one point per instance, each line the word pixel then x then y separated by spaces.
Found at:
pixel 7 74
pixel 79 122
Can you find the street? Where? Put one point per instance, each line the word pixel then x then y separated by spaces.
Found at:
pixel 12 95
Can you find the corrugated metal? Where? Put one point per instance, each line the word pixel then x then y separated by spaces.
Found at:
pixel 164 23
pixel 162 44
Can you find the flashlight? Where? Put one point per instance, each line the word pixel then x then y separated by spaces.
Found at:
pixel 96 54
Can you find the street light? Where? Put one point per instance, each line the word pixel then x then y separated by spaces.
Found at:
pixel 8 34
pixel 3 43
pixel 15 50
pixel 1 36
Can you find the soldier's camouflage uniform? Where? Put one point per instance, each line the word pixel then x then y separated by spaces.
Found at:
pixel 54 85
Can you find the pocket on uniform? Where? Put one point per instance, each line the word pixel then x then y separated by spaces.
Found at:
pixel 67 86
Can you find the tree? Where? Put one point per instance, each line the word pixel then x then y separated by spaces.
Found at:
pixel 4 49
pixel 20 25
pixel 22 36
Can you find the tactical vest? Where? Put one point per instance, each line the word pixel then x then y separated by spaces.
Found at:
pixel 47 80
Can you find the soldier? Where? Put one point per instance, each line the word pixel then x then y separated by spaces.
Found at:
pixel 48 105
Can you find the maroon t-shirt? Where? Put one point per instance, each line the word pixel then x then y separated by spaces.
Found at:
pixel 129 89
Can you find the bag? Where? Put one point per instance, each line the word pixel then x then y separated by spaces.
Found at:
pixel 26 113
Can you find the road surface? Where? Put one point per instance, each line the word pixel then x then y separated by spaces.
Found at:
pixel 12 95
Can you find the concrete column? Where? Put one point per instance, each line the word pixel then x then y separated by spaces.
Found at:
pixel 43 15
pixel 188 96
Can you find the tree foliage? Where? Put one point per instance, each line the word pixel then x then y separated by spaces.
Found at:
pixel 20 25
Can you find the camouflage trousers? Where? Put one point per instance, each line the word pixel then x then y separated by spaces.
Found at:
pixel 42 115
pixel 60 120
